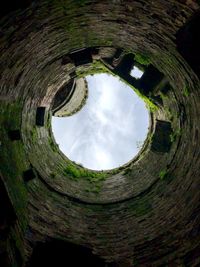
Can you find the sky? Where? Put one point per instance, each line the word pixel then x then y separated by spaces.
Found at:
pixel 136 72
pixel 109 130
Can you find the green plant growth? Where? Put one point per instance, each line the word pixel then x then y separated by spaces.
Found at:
pixel 13 160
pixel 49 120
pixel 98 67
pixel 149 104
pixel 53 145
pixel 77 172
pixel 95 179
pixel 127 171
pixel 186 91
pixel 175 135
pixel 163 96
pixel 95 68
pixel 94 188
pixel 142 59
pixel 163 174
pixel 169 113
pixel 166 177
pixel 33 133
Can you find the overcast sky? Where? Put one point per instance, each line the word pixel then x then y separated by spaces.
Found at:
pixel 105 133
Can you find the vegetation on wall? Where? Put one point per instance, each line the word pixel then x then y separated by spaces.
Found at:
pixel 13 162
pixel 142 59
pixel 186 91
pixel 98 67
pixel 149 104
pixel 75 172
pixel 163 174
pixel 95 68
pixel 175 135
pixel 12 154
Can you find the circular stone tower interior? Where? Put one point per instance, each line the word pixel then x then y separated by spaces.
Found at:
pixel 144 213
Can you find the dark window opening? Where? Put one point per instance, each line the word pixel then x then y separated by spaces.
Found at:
pixel 12 5
pixel 161 141
pixel 165 89
pixel 40 116
pixel 59 253
pixel 63 95
pixel 146 80
pixel 125 66
pixel 150 80
pixel 81 57
pixel 14 135
pixel 29 175
pixel 66 60
pixel 188 42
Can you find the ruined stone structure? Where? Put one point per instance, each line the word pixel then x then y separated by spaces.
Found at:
pixel 145 213
pixel 71 102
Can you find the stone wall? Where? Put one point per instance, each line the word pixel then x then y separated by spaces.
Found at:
pixel 147 212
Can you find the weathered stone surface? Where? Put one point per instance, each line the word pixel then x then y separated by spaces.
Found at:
pixel 77 100
pixel 145 214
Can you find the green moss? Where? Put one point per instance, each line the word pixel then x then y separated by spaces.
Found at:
pixel 13 163
pixel 169 113
pixel 166 177
pixel 141 207
pixel 127 171
pixel 175 135
pixel 149 104
pixel 163 174
pixel 48 125
pixel 94 188
pixel 13 159
pixel 34 134
pixel 186 91
pixel 53 145
pixel 163 96
pixel 95 179
pixel 95 68
pixel 76 172
pixel 142 59
pixel 98 67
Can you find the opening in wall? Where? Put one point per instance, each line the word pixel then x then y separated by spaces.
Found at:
pixel 40 116
pixel 136 72
pixel 59 253
pixel 109 130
